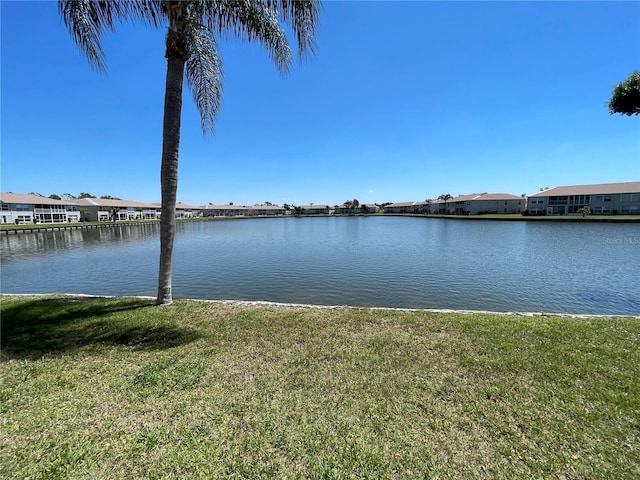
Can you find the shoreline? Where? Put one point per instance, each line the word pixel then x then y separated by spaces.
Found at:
pixel 32 228
pixel 306 306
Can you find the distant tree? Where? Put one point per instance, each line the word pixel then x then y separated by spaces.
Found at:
pixel 53 196
pixel 298 209
pixel 113 212
pixel 364 208
pixel 68 196
pixel 348 205
pixel 584 211
pixel 36 194
pixel 428 201
pixel 445 197
pixel 286 206
pixel 109 197
pixel 625 98
pixel 83 214
pixel 85 195
pixel 268 204
pixel 355 203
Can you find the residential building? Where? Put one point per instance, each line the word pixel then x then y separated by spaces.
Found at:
pixel 230 210
pixel 601 199
pixel 315 209
pixel 109 209
pixel 479 203
pixel 407 207
pixel 28 208
pixel 362 208
pixel 264 210
pixel 182 210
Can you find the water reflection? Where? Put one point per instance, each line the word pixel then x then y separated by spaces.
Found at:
pixel 365 261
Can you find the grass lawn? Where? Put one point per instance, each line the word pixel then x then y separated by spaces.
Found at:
pixel 119 388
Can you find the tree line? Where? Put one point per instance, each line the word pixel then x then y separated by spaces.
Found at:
pixel 70 196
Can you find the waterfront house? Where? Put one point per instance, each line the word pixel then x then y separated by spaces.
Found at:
pixel 182 210
pixel 230 210
pixel 407 207
pixel 266 210
pixel 362 208
pixel 110 209
pixel 601 199
pixel 29 208
pixel 315 209
pixel 480 203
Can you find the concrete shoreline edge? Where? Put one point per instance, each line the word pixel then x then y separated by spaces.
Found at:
pixel 303 306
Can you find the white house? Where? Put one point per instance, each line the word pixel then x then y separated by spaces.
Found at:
pixel 108 209
pixel 28 208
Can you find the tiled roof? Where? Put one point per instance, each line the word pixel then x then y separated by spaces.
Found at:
pixel 29 199
pixel 211 206
pixel 596 189
pixel 405 204
pixel 110 202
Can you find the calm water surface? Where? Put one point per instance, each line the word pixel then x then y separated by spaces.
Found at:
pixel 363 261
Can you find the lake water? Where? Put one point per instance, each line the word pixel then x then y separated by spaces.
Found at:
pixel 363 261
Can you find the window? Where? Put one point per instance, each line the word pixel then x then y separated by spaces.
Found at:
pixel 630 197
pixel 4 207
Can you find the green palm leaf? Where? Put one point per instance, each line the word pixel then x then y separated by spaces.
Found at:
pixel 192 51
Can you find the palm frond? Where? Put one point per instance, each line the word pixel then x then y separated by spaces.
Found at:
pixel 253 21
pixel 303 16
pixel 203 70
pixel 87 20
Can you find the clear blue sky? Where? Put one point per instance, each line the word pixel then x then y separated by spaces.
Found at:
pixel 403 101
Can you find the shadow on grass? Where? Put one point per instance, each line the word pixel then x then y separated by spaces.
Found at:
pixel 54 326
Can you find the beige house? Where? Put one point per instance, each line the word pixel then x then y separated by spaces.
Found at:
pixel 407 207
pixel 266 210
pixel 478 204
pixel 107 209
pixel 601 199
pixel 211 210
pixel 315 209
pixel 182 210
pixel 362 208
pixel 28 208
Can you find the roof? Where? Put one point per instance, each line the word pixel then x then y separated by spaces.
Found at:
pixel 405 204
pixel 29 199
pixel 265 207
pixel 596 189
pixel 485 197
pixel 211 206
pixel 110 202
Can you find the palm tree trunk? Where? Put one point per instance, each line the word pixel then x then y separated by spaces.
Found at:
pixel 169 173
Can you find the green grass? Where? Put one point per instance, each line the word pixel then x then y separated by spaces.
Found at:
pixel 119 388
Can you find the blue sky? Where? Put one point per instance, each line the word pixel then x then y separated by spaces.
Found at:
pixel 403 101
